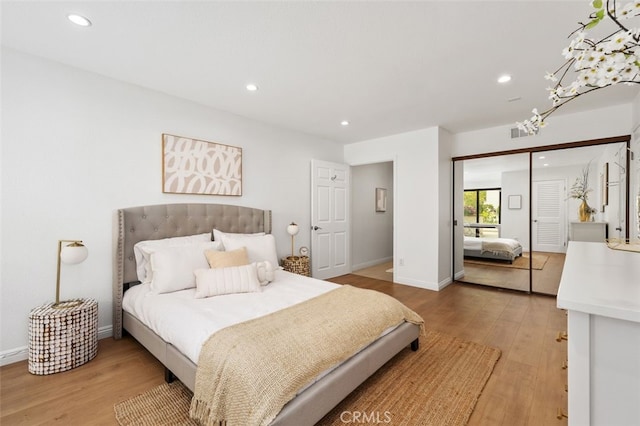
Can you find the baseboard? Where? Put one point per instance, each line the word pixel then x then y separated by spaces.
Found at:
pixel 458 275
pixel 22 353
pixel 370 263
pixel 14 355
pixel 442 284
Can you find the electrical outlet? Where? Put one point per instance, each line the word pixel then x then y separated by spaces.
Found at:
pixel 401 261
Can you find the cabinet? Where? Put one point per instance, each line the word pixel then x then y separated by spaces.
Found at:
pixel 588 231
pixel 599 288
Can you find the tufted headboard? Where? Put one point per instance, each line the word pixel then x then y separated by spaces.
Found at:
pixel 135 224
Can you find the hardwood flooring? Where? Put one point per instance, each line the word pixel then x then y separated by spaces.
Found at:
pixel 545 281
pixel 526 388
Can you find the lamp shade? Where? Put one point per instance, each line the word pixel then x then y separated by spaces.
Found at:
pixel 293 229
pixel 73 253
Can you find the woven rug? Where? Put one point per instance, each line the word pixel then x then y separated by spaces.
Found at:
pixel 520 262
pixel 438 385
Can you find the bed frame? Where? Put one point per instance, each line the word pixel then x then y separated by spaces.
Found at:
pixel 479 254
pixel 135 224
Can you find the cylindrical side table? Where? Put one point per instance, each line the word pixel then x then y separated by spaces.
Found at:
pixel 297 264
pixel 62 338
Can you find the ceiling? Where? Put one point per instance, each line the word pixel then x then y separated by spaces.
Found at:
pixel 387 67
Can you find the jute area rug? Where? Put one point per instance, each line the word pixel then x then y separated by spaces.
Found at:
pixel 438 385
pixel 520 262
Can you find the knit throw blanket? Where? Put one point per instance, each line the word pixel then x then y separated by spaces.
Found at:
pixel 248 372
pixel 500 246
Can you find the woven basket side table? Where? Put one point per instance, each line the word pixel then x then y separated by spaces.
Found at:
pixel 62 338
pixel 297 265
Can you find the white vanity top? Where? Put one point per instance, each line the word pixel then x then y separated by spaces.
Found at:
pixel 601 281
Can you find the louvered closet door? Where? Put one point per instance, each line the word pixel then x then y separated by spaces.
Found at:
pixel 548 216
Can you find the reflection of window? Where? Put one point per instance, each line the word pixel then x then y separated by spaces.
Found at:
pixel 482 206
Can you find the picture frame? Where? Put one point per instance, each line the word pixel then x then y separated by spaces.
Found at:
pixel 381 200
pixel 604 183
pixel 515 202
pixel 194 166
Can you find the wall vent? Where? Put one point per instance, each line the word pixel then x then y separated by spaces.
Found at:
pixel 518 133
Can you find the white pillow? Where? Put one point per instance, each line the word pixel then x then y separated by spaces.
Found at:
pixel 233 279
pixel 259 248
pixel 217 235
pixel 265 272
pixel 143 249
pixel 172 267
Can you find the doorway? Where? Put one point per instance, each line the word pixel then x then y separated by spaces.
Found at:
pixel 372 220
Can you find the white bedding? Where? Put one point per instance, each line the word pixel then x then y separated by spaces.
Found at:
pixel 471 243
pixel 199 318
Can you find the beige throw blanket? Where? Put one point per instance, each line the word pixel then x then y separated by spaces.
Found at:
pixel 248 372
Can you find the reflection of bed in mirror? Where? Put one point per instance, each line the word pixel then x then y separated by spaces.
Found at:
pixel 492 248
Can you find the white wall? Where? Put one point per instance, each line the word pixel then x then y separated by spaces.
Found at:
pixel 371 231
pixel 417 209
pixel 515 222
pixel 595 124
pixel 76 146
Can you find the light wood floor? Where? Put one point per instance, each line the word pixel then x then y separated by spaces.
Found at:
pixel 379 272
pixel 526 388
pixel 545 281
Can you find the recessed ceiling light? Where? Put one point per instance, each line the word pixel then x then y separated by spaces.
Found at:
pixel 504 78
pixel 252 87
pixel 546 164
pixel 344 123
pixel 542 157
pixel 79 20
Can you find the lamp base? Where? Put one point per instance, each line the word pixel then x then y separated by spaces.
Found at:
pixel 67 304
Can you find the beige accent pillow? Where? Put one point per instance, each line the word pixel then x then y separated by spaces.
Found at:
pixel 224 259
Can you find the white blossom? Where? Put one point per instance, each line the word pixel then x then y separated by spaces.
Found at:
pixel 594 63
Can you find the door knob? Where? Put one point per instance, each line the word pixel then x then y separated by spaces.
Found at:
pixel 315 228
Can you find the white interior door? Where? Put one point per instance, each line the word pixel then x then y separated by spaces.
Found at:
pixel 548 216
pixel 330 233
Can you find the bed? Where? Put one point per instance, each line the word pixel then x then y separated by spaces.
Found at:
pixel 492 248
pixel 132 225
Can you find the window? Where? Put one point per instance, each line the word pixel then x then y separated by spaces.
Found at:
pixel 482 209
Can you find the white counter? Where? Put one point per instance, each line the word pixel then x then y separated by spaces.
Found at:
pixel 600 288
pixel 598 280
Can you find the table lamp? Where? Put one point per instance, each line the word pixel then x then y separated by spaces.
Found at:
pixel 71 254
pixel 293 230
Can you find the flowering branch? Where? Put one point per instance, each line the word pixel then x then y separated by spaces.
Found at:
pixel 597 64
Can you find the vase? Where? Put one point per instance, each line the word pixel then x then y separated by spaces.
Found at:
pixel 584 212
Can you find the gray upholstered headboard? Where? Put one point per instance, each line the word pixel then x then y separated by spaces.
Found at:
pixel 135 224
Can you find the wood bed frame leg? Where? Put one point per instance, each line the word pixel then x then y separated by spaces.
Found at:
pixel 169 376
pixel 415 345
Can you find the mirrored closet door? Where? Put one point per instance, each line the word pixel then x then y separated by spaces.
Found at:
pixel 515 214
pixel 491 209
pixel 577 194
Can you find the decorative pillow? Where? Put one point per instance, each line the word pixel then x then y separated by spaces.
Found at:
pixel 265 272
pixel 172 267
pixel 217 235
pixel 223 259
pixel 143 249
pixel 259 248
pixel 219 281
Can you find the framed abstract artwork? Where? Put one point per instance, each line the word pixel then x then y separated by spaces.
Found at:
pixel 192 166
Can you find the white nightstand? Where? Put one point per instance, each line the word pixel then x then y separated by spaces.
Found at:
pixel 62 338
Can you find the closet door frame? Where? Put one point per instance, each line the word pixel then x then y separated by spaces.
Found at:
pixel 532 151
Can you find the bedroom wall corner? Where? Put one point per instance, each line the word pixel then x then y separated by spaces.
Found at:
pixel 416 204
pixel 76 146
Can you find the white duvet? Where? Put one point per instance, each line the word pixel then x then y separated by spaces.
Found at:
pixel 186 322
